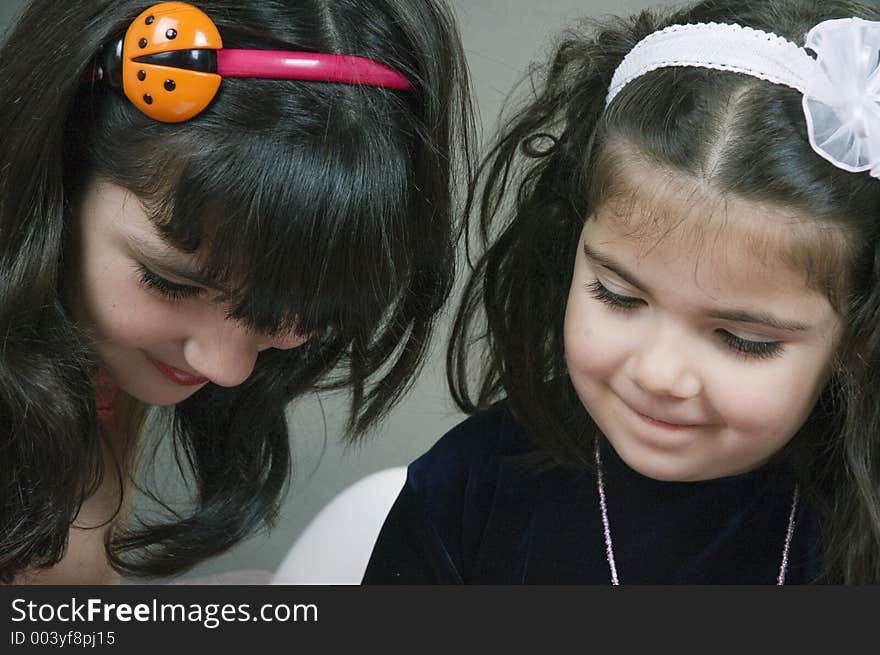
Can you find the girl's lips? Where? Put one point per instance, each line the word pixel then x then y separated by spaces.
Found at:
pixel 663 424
pixel 656 422
pixel 177 376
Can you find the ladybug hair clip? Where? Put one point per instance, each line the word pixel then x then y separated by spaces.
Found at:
pixel 171 61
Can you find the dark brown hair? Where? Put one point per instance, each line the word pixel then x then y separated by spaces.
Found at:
pixel 549 170
pixel 328 206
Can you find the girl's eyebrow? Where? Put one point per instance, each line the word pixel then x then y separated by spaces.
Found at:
pixel 734 315
pixel 604 261
pixel 760 318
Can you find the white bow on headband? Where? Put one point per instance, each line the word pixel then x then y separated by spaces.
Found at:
pixel 840 87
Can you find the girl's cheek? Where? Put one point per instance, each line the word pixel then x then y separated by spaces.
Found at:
pixel 140 319
pixel 758 399
pixel 595 338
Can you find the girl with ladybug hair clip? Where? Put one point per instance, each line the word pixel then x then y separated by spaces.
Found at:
pixel 214 210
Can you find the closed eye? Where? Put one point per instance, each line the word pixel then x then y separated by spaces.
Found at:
pixel 164 287
pixel 748 348
pixel 613 300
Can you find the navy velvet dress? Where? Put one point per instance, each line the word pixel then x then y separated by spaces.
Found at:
pixel 471 513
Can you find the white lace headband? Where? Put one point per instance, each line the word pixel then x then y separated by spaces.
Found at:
pixel 840 87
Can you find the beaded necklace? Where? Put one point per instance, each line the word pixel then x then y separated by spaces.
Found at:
pixel 609 550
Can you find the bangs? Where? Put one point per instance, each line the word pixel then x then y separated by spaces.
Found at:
pixel 309 237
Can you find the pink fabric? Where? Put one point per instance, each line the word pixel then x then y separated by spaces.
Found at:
pixel 105 394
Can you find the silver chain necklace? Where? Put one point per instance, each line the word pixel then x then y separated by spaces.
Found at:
pixel 609 551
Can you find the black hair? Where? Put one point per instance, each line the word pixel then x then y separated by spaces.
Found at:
pixel 557 158
pixel 326 207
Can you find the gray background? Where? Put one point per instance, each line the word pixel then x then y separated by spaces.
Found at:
pixel 501 37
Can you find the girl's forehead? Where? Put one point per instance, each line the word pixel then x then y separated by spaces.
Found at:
pixel 651 202
pixel 696 223
pixel 720 260
pixel 654 210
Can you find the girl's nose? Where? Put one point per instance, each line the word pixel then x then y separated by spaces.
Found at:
pixel 663 365
pixel 225 353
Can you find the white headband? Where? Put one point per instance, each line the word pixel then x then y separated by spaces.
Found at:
pixel 841 86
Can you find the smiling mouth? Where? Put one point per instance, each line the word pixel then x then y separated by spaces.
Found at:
pixel 663 424
pixel 666 425
pixel 177 376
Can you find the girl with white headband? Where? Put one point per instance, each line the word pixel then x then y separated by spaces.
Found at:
pixel 215 209
pixel 679 304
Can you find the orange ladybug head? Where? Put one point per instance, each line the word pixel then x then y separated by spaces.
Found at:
pixel 153 49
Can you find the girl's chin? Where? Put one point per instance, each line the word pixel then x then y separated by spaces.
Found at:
pixel 163 397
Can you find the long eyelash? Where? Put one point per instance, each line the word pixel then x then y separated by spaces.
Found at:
pixel 166 288
pixel 757 349
pixel 613 300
